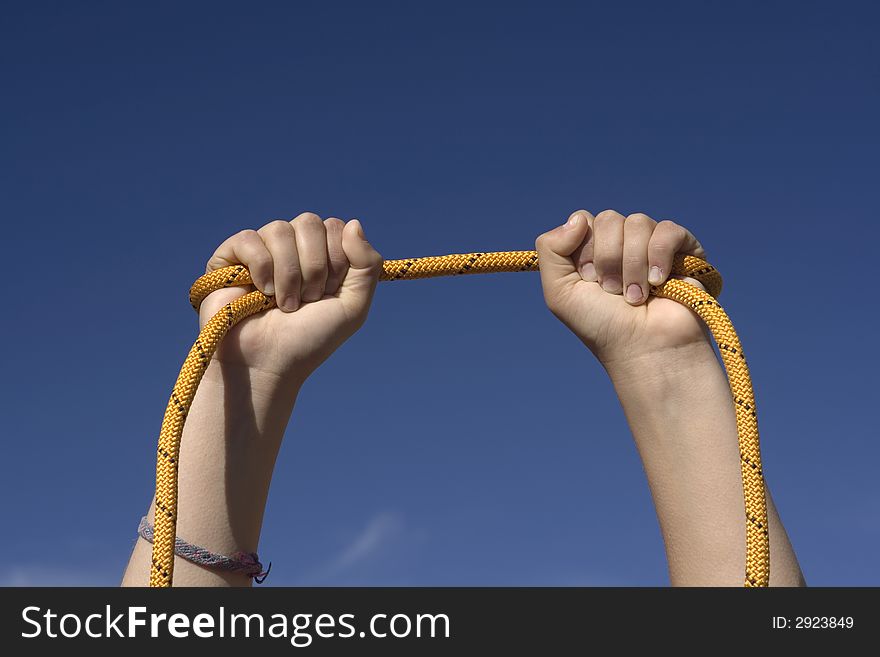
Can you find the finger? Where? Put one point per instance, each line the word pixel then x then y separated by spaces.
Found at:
pixel 365 265
pixel 583 255
pixel 311 245
pixel 337 263
pixel 280 240
pixel 608 250
pixel 555 248
pixel 246 248
pixel 637 231
pixel 692 281
pixel 668 239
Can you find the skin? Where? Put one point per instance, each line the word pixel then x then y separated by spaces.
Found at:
pixel 653 351
pixel 324 273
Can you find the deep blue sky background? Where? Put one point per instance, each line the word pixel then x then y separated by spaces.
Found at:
pixel 491 449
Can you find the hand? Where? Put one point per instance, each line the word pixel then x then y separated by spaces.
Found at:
pixel 322 274
pixel 595 275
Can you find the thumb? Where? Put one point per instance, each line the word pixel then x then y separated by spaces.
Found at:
pixel 365 265
pixel 555 248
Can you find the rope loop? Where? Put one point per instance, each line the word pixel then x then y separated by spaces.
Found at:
pixel 704 304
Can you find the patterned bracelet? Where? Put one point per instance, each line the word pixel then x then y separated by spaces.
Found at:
pixel 246 563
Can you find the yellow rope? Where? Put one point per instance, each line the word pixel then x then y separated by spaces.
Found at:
pixel 757 566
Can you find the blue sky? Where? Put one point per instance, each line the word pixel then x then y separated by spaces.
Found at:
pixel 136 137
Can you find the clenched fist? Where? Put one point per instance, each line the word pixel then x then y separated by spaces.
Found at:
pixel 322 274
pixel 595 272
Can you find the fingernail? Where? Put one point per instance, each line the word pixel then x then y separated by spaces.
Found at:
pixel 655 276
pixel 633 293
pixel 360 229
pixel 573 221
pixel 612 285
pixel 588 272
pixel 290 304
pixel 269 289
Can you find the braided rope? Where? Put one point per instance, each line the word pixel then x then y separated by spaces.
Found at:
pixel 757 562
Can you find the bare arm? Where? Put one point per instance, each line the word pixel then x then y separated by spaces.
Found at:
pixel 679 409
pixel 230 441
pixel 323 274
pixel 595 273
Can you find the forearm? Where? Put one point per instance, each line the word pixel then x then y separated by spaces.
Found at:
pixel 228 450
pixel 679 409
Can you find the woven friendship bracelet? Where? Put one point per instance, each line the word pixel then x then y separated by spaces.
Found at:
pixel 246 563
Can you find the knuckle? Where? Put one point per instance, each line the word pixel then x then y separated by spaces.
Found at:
pixel 333 222
pixel 246 235
pixel 308 218
pixel 608 216
pixel 279 226
pixel 639 219
pixel 667 225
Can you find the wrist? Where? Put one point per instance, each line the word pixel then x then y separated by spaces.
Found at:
pixel 245 410
pixel 653 368
pixel 256 381
pixel 673 400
